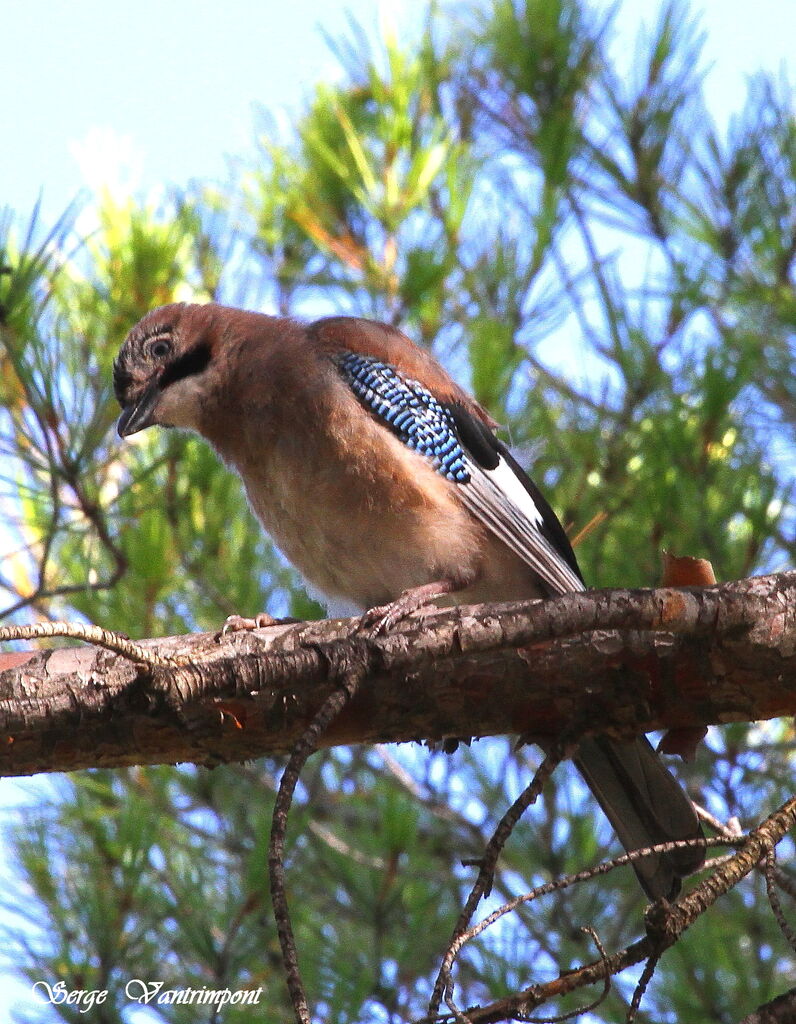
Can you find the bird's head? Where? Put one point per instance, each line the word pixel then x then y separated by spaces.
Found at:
pixel 160 374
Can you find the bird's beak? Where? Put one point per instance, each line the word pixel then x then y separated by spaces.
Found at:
pixel 140 414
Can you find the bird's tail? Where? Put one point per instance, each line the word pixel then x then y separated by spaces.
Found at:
pixel 646 806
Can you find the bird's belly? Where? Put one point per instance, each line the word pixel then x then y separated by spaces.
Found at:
pixel 367 541
pixel 368 555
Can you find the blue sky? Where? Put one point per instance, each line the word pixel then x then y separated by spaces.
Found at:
pixel 174 83
pixel 168 89
pixel 163 91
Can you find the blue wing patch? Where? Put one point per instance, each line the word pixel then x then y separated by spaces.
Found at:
pixel 412 413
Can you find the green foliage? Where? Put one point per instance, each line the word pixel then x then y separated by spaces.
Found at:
pixel 613 277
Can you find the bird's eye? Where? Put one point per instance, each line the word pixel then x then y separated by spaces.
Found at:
pixel 159 349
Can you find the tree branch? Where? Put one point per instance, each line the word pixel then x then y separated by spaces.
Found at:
pixel 665 924
pixel 781 1010
pixel 623 661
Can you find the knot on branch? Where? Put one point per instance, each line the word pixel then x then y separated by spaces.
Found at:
pixel 663 925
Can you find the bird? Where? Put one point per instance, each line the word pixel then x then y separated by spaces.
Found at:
pixel 386 485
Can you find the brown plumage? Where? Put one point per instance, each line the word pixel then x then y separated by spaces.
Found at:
pixel 318 471
pixel 382 481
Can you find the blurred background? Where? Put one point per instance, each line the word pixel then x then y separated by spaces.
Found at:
pixel 586 211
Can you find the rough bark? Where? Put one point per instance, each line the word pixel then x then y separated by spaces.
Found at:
pixel 621 661
pixel 781 1010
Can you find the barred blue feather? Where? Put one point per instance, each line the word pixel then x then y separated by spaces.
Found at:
pixel 409 410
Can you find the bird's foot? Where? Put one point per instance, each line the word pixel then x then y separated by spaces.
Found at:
pixel 383 617
pixel 241 624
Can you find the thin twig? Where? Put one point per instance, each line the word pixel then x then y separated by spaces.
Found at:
pixel 33 600
pixel 665 924
pixel 730 829
pixel 579 1010
pixel 784 882
pixel 483 882
pixel 351 672
pixel 92 513
pixel 116 642
pixel 586 875
pixel 641 987
pixel 769 871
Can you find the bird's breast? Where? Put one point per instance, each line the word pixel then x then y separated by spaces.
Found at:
pixel 359 514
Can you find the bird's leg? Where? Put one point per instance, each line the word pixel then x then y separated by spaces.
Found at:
pixel 383 617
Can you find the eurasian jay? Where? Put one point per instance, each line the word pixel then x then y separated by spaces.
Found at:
pixel 383 482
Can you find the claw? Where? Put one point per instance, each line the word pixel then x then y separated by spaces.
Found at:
pixel 379 619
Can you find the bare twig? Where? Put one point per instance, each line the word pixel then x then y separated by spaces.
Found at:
pixel 730 829
pixel 769 871
pixel 665 924
pixel 579 1010
pixel 350 672
pixel 93 515
pixel 586 875
pixel 119 643
pixel 785 882
pixel 483 883
pixel 641 987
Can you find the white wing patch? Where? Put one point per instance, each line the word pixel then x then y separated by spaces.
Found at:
pixel 499 500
